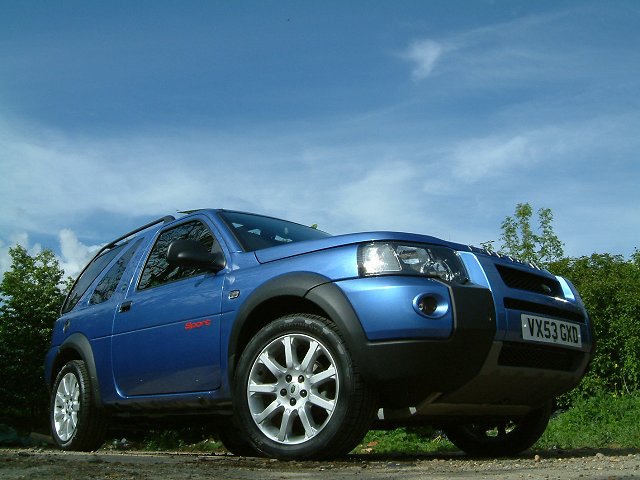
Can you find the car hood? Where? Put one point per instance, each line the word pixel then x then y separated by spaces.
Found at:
pixel 299 248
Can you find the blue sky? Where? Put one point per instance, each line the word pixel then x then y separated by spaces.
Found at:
pixel 423 116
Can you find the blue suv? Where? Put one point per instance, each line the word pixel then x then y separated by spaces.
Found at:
pixel 293 343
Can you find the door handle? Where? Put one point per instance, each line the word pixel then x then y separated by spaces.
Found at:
pixel 124 307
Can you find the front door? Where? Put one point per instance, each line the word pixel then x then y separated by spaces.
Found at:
pixel 166 332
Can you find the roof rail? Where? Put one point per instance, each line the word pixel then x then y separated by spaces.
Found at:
pixel 165 219
pixel 110 245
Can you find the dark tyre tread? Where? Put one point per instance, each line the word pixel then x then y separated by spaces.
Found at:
pixel 357 425
pixel 92 422
pixel 235 441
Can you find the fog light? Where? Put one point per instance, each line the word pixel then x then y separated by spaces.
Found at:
pixel 427 305
pixel 431 305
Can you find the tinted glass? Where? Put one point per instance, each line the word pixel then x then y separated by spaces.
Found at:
pixel 256 231
pixel 87 277
pixel 157 271
pixel 109 282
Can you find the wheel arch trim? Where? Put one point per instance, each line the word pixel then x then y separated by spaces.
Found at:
pixel 310 287
pixel 81 345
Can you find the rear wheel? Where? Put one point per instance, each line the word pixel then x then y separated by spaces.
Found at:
pixel 500 437
pixel 76 423
pixel 298 393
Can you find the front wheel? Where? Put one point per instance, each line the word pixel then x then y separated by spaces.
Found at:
pixel 500 437
pixel 76 423
pixel 234 439
pixel 297 392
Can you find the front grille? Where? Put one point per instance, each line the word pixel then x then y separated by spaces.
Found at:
pixel 536 356
pixel 515 278
pixel 537 308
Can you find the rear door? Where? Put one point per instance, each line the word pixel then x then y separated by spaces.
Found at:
pixel 166 333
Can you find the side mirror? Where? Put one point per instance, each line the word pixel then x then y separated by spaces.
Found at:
pixel 193 254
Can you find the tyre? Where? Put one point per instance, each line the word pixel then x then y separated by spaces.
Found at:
pixel 235 441
pixel 297 392
pixel 76 423
pixel 501 437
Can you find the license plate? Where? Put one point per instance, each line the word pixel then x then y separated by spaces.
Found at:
pixel 549 330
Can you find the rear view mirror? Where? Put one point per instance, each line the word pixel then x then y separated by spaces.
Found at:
pixel 193 254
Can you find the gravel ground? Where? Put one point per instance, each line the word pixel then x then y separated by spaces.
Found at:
pixel 40 464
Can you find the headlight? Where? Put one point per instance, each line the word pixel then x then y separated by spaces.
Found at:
pixel 411 259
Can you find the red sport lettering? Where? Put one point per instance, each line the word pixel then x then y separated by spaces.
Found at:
pixel 200 324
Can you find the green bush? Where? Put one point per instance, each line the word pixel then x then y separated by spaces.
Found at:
pixel 610 288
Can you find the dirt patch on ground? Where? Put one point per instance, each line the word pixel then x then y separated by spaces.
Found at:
pixel 41 464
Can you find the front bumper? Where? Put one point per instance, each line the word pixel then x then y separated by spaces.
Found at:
pixel 479 364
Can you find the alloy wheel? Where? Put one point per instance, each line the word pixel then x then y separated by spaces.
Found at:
pixel 66 407
pixel 293 388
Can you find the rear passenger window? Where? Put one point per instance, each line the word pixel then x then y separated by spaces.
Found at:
pixel 109 282
pixel 87 277
pixel 157 271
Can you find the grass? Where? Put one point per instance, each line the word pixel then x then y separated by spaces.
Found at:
pixel 185 440
pixel 171 440
pixel 405 441
pixel 602 421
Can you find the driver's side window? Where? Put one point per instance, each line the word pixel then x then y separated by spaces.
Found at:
pixel 157 271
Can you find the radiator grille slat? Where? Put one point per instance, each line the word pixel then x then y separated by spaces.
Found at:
pixel 516 278
pixel 544 310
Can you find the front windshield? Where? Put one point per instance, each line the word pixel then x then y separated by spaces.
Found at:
pixel 256 231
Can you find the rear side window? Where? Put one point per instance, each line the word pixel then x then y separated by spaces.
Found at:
pixel 89 274
pixel 107 286
pixel 157 271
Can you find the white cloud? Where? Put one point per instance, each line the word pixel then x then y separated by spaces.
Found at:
pixel 518 53
pixel 380 197
pixel 74 254
pixel 423 54
pixel 376 173
pixel 476 160
pixel 57 180
pixel 531 155
pixel 514 53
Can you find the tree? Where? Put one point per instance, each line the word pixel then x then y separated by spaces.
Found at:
pixel 520 241
pixel 31 297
